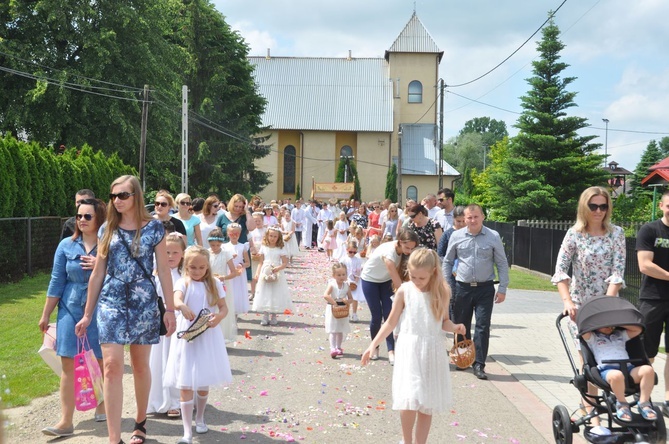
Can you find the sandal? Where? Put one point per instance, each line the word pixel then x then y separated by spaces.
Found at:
pixel 139 427
pixel 623 412
pixel 647 411
pixel 174 413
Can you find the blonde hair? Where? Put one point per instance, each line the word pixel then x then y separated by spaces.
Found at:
pixel 114 217
pixel 338 265
pixel 208 278
pixel 440 293
pixel 233 227
pixel 182 196
pixel 393 206
pixel 265 238
pixel 583 211
pixel 233 200
pixel 166 194
pixel 177 239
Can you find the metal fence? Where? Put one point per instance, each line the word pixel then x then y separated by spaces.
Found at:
pixel 537 249
pixel 29 246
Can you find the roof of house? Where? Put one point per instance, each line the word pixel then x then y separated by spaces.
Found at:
pixel 325 94
pixel 415 38
pixel 419 151
pixel 659 173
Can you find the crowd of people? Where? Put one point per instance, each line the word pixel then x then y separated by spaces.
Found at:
pixel 122 276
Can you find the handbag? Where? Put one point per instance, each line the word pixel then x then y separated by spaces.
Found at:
pixel 87 378
pixel 199 326
pixel 340 310
pixel 161 304
pixel 48 350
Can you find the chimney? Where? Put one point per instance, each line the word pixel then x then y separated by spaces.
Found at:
pixel 267 56
pixel 349 55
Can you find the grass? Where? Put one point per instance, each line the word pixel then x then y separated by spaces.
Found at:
pixel 23 373
pixel 523 280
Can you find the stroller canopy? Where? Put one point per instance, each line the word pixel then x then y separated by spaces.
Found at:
pixel 607 311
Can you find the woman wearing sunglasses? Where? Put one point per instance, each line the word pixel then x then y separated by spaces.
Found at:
pixel 595 250
pixel 162 204
pixel 122 290
pixel 209 215
pixel 72 266
pixel 190 221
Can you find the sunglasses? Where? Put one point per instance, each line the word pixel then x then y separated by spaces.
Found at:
pixel 161 204
pixel 352 252
pixel 87 216
pixel 215 205
pixel 123 196
pixel 595 207
pixel 413 215
pixel 441 199
pixel 186 204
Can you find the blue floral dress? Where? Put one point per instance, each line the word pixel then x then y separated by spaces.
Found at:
pixel 69 283
pixel 127 307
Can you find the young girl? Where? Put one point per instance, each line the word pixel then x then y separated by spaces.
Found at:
pixel 337 292
pixel 255 242
pixel 389 226
pixel 354 266
pixel 223 268
pixel 272 292
pixel 241 260
pixel 421 381
pixel 341 228
pixel 197 365
pixel 374 242
pixel 329 238
pixel 166 399
pixel 288 231
pixel 359 237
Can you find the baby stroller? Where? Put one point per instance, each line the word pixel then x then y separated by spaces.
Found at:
pixel 600 312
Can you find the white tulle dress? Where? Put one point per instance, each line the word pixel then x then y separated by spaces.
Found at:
pixel 274 296
pixel 421 376
pixel 332 324
pixel 291 245
pixel 219 266
pixel 239 284
pixel 203 362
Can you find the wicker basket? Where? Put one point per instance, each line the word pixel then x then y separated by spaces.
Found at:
pixel 463 353
pixel 340 311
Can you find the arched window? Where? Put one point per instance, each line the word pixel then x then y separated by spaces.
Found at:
pixel 412 193
pixel 415 92
pixel 289 170
pixel 346 151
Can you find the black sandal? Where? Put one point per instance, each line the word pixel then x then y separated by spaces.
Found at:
pixel 139 427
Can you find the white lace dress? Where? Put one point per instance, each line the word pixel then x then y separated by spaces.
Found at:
pixel 332 324
pixel 274 296
pixel 421 376
pixel 219 266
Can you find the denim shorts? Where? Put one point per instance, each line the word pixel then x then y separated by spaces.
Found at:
pixel 604 369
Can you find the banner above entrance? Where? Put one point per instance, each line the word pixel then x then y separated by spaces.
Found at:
pixel 336 190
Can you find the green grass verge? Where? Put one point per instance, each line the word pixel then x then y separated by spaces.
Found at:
pixel 523 280
pixel 24 374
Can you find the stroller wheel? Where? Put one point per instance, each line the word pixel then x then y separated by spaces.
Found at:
pixel 562 427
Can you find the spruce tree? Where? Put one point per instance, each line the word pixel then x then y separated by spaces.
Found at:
pixel 651 155
pixel 391 184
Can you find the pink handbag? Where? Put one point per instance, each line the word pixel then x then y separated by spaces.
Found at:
pixel 87 378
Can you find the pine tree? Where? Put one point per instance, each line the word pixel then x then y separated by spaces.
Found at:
pixel 549 164
pixel 651 155
pixel 391 184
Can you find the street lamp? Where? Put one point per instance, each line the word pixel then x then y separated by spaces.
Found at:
pixel 606 140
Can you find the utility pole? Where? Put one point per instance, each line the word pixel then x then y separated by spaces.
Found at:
pixel 184 139
pixel 142 140
pixel 441 134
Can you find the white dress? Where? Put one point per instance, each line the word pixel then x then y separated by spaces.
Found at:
pixel 206 228
pixel 219 266
pixel 239 285
pixel 340 250
pixel 421 376
pixel 255 238
pixel 272 297
pixel 332 324
pixel 202 362
pixel 291 246
pixel 162 399
pixel 353 269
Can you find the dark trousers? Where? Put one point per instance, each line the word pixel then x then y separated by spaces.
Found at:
pixel 298 238
pixel 477 301
pixel 379 302
pixel 314 235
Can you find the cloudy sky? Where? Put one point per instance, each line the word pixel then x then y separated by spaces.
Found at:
pixel 617 49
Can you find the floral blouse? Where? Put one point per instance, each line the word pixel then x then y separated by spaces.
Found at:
pixel 596 262
pixel 359 219
pixel 426 233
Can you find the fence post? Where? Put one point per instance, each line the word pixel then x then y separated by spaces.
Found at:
pixel 29 249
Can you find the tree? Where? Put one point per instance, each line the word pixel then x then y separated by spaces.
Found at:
pixel 352 173
pixel 491 130
pixel 548 163
pixel 651 155
pixel 391 183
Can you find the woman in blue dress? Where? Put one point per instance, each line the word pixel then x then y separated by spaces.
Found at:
pixel 72 266
pixel 127 310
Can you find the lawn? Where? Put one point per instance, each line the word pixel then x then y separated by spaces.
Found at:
pixel 523 280
pixel 23 373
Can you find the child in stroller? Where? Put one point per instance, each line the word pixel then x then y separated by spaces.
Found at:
pixel 607 344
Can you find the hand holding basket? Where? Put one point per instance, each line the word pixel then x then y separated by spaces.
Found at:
pixel 463 353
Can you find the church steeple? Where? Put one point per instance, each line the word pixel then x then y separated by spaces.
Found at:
pixel 414 38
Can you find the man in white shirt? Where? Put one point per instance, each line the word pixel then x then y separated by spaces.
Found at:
pixel 430 203
pixel 444 216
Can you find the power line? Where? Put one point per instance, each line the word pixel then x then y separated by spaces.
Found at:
pixel 483 103
pixel 514 52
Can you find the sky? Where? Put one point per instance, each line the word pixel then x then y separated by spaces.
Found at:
pixel 617 49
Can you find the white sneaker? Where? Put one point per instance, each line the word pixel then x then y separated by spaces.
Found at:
pixel 265 320
pixel 201 428
pixel 354 317
pixel 274 321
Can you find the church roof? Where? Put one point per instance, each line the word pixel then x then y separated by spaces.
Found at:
pixel 415 38
pixel 325 94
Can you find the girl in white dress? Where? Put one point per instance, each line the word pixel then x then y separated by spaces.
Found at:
pixel 203 362
pixel 341 228
pixel 272 292
pixel 165 399
pixel 354 268
pixel 223 269
pixel 288 230
pixel 241 260
pixel 421 379
pixel 328 238
pixel 337 292
pixel 255 242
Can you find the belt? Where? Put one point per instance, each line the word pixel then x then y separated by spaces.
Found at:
pixel 478 284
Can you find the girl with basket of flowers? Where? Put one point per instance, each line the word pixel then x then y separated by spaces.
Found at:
pixel 338 296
